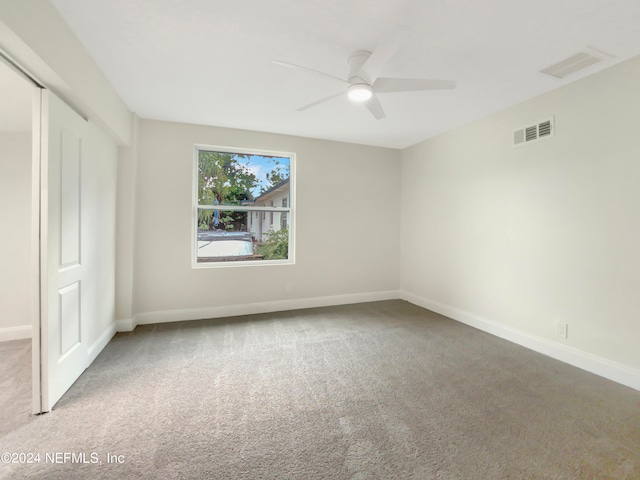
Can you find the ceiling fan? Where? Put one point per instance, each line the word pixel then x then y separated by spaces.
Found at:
pixel 364 81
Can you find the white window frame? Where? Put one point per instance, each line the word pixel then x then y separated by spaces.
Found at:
pixel 290 210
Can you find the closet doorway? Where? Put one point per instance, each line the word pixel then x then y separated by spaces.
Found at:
pixel 19 304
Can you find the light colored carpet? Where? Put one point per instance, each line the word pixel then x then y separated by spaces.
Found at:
pixel 380 390
pixel 15 384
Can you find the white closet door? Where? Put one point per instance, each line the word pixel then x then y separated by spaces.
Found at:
pixel 62 256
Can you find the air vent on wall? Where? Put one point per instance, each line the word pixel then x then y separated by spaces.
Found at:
pixel 530 133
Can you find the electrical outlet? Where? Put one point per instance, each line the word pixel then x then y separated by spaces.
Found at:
pixel 289 287
pixel 562 330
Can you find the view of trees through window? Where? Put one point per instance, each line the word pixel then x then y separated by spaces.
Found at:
pixel 243 206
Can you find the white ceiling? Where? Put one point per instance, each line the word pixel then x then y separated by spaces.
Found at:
pixel 209 61
pixel 15 101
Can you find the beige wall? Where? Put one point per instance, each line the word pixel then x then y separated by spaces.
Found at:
pixel 15 230
pixel 528 236
pixel 344 245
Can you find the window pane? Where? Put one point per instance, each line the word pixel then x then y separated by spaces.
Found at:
pixel 230 182
pixel 242 179
pixel 241 236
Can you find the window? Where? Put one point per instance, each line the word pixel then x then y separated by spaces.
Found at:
pixel 236 220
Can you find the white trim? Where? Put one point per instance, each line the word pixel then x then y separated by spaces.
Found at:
pixel 290 209
pixel 36 266
pixel 43 362
pixel 586 361
pixel 244 208
pixel 243 263
pixel 261 307
pixel 15 333
pixel 126 325
pixel 102 341
pixel 241 150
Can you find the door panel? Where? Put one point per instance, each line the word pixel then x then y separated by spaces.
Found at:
pixel 70 334
pixel 63 343
pixel 70 200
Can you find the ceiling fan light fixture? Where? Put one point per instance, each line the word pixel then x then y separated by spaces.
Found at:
pixel 360 92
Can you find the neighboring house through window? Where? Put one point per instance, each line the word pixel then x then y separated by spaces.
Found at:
pixel 243 206
pixel 278 195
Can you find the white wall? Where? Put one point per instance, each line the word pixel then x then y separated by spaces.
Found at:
pixel 515 239
pixel 15 235
pixel 338 187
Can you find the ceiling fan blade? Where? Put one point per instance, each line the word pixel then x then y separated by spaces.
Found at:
pixel 374 106
pixel 305 69
pixel 390 85
pixel 372 68
pixel 306 107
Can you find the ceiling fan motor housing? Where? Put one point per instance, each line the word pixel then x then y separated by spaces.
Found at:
pixel 356 60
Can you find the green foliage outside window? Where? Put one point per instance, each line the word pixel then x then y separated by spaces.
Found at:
pixel 277 245
pixel 221 176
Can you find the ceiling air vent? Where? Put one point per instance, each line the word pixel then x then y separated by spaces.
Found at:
pixel 534 132
pixel 581 60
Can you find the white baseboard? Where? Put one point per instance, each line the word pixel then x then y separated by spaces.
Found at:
pixel 102 341
pixel 126 325
pixel 260 307
pixel 578 358
pixel 15 333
